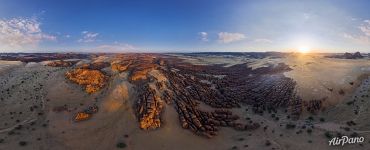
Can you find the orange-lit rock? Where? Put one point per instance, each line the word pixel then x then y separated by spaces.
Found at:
pixel 139 75
pixel 95 65
pixel 86 114
pixel 149 110
pixel 93 80
pixel 81 116
pixel 61 63
pixel 120 67
pixel 141 71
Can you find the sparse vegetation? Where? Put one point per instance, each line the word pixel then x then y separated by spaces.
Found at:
pixel 121 145
pixel 341 92
pixel 351 123
pixel 328 135
pixel 309 131
pixel 339 134
pixel 350 102
pixel 346 128
pixel 354 134
pixel 22 143
pixel 290 126
pixel 322 119
pixel 267 143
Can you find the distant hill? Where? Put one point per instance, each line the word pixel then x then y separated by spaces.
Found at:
pixel 256 55
pixel 347 55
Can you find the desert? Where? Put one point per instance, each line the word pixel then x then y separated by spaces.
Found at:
pixel 163 101
pixel 185 75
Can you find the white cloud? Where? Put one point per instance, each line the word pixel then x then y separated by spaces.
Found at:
pixel 203 36
pixel 88 37
pixel 348 36
pixel 365 27
pixel 225 37
pixel 18 33
pixel 307 15
pixel 357 38
pixel 364 36
pixel 263 41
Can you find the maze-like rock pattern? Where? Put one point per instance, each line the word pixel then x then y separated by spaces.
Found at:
pixel 149 108
pixel 166 81
pixel 187 86
pixel 313 106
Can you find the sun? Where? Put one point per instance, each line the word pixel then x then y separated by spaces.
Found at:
pixel 304 49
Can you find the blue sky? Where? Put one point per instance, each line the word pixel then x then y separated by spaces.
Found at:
pixel 184 26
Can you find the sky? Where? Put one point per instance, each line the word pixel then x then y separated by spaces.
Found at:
pixel 184 26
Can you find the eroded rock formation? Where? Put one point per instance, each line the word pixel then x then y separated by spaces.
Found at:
pixel 186 86
pixel 120 67
pixel 92 80
pixel 86 114
pixel 61 63
pixel 149 108
pixel 95 65
pixel 162 81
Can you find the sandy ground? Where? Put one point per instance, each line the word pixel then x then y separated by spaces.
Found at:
pixel 318 77
pixel 6 65
pixel 44 129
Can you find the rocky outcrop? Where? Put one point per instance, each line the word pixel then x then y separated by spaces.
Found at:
pixel 149 108
pixel 314 106
pixel 92 80
pixel 356 55
pixel 167 80
pixel 120 67
pixel 81 116
pixel 140 71
pixel 61 63
pixel 86 114
pixel 186 86
pixel 207 123
pixel 95 65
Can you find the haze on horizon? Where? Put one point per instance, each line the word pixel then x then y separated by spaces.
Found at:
pixel 184 26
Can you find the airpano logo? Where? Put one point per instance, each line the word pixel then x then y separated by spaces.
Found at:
pixel 345 140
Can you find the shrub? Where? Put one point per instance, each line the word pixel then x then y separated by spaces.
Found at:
pixel 290 126
pixel 309 131
pixel 121 145
pixel 328 135
pixel 268 143
pixel 354 134
pixel 22 143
